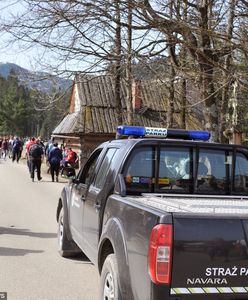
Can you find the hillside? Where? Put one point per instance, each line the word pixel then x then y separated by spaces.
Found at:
pixel 40 81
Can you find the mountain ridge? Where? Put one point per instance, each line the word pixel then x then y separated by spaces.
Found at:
pixel 41 81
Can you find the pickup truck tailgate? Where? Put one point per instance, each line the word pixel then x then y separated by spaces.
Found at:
pixel 210 255
pixel 210 252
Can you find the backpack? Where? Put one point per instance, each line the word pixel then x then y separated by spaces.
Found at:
pixel 17 145
pixel 35 151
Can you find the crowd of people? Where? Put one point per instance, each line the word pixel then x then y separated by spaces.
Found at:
pixel 56 157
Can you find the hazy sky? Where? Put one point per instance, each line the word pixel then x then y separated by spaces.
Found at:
pixel 37 59
pixel 26 58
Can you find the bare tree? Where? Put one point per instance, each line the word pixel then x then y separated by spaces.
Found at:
pixel 207 39
pixel 202 38
pixel 228 67
pixel 118 61
pixel 129 64
pixel 83 35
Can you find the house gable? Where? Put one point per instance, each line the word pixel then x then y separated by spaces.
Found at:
pixel 75 104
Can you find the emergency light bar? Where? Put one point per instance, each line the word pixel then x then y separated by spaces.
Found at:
pixel 137 131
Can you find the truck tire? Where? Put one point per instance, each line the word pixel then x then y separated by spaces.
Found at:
pixel 66 248
pixel 109 286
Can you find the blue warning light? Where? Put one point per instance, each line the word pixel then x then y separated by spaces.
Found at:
pixel 139 131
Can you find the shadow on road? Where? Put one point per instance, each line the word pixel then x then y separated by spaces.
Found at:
pixel 26 232
pixel 50 181
pixel 4 251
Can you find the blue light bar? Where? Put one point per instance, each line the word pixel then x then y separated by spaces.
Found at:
pixel 138 131
pixel 188 134
pixel 131 131
pixel 199 135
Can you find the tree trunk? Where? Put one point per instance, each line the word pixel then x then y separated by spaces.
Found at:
pixel 224 126
pixel 206 63
pixel 183 102
pixel 129 66
pixel 118 64
pixel 208 94
pixel 171 108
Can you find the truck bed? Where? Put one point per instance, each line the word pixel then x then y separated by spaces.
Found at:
pixel 195 204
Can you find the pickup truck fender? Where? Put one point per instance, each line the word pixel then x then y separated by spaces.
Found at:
pixel 63 203
pixel 112 240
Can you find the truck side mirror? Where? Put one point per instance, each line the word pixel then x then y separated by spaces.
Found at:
pixel 120 186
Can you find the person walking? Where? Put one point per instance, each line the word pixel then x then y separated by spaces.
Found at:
pixel 1 141
pixel 35 158
pixel 17 149
pixel 49 146
pixel 5 148
pixel 11 141
pixel 28 144
pixel 54 158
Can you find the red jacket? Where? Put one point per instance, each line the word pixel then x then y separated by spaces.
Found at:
pixel 71 156
pixel 29 144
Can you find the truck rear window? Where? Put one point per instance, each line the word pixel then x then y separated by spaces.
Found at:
pixel 241 174
pixel 168 169
pixel 174 170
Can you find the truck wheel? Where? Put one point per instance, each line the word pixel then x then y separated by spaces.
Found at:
pixel 66 248
pixel 109 287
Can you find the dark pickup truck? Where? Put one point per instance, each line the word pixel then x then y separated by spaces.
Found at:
pixel 161 218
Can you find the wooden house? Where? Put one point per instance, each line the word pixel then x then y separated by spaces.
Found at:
pixel 93 119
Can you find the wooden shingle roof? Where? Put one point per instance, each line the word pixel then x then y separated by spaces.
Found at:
pixel 97 108
pixel 69 124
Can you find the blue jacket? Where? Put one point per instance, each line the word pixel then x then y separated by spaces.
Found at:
pixel 55 155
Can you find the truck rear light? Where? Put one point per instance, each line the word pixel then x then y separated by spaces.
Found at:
pixel 160 253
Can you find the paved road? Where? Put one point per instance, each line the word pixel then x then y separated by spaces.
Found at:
pixel 30 266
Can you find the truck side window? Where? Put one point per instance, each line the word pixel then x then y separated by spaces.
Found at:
pixel 104 168
pixel 241 174
pixel 86 173
pixel 138 173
